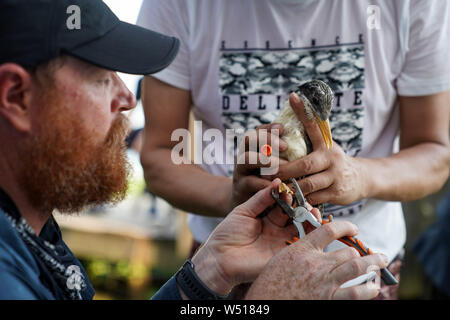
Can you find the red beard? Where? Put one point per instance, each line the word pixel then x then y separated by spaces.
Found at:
pixel 64 169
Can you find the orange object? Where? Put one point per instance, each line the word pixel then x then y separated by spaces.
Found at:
pixel 349 241
pixel 266 150
pixel 352 241
pixel 293 240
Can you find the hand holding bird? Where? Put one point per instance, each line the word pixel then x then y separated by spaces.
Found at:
pixel 329 174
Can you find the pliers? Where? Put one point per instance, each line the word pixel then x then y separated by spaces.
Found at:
pixel 298 214
pixel 301 214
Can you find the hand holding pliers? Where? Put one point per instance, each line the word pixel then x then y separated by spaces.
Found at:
pixel 300 214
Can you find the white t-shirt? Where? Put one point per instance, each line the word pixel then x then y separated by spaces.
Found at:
pixel 240 59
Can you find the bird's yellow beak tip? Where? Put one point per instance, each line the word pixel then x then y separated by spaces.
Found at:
pixel 324 127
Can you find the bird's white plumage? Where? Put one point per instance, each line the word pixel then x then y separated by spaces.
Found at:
pixel 294 132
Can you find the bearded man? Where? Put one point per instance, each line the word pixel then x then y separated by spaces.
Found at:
pixel 62 130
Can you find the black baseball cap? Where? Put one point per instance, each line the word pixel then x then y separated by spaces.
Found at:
pixel 36 31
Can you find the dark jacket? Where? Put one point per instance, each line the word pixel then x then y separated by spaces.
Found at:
pixel 23 276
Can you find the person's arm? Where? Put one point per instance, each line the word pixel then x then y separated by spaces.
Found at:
pixel 420 168
pixel 13 287
pixel 422 165
pixel 186 186
pixel 169 291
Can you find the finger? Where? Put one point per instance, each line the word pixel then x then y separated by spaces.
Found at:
pixel 269 134
pixel 316 214
pixel 364 291
pixel 246 187
pixel 316 182
pixel 358 266
pixel 314 211
pixel 284 233
pixel 276 215
pixel 248 162
pixel 272 126
pixel 252 184
pixel 276 128
pixel 312 163
pixel 311 127
pixel 259 202
pixel 321 196
pixel 343 255
pixel 254 139
pixel 307 226
pixel 269 172
pixel 251 160
pixel 291 231
pixel 276 162
pixel 324 235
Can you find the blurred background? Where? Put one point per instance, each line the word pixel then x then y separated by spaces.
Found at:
pixel 131 249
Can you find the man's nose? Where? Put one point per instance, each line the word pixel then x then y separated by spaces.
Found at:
pixel 124 99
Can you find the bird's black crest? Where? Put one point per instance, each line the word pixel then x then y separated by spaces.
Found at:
pixel 319 95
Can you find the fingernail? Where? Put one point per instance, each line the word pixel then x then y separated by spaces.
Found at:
pixel 296 97
pixel 276 126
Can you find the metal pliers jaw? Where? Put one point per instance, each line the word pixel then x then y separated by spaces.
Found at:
pixel 298 214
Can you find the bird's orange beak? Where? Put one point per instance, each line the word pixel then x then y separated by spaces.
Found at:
pixel 324 127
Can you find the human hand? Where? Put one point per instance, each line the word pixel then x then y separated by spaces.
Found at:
pixel 239 248
pixel 303 271
pixel 246 175
pixel 330 175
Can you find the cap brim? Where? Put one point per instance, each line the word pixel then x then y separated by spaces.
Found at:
pixel 130 49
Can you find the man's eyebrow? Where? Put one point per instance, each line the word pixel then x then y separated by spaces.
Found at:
pixel 91 70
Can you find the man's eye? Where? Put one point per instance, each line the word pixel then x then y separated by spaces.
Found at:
pixel 104 81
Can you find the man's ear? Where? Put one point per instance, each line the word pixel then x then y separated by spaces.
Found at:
pixel 15 97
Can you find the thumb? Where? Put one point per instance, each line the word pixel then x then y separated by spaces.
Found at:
pixel 311 127
pixel 259 202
